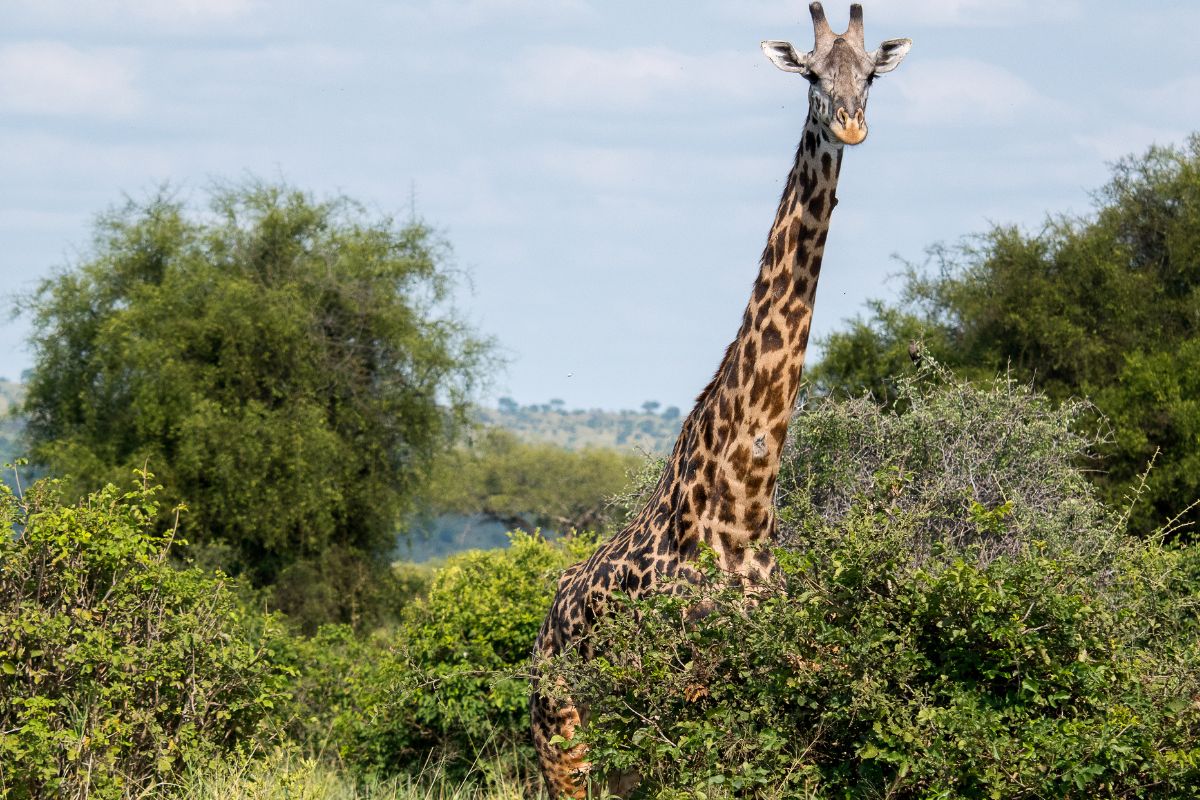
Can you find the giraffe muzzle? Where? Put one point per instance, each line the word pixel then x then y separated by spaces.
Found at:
pixel 849 129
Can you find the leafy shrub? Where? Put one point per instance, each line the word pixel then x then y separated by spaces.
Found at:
pixel 446 686
pixel 930 641
pixel 115 667
pixel 988 463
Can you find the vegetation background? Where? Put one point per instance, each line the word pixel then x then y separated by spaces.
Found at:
pixel 988 591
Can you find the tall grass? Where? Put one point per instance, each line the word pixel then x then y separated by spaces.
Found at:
pixel 286 775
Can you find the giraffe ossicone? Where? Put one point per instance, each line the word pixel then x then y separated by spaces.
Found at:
pixel 718 485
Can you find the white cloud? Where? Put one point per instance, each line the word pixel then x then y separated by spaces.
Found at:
pixel 306 60
pixel 470 13
pixel 964 92
pixel 55 79
pixel 1125 140
pixel 597 168
pixel 170 12
pixel 936 13
pixel 24 220
pixel 1174 100
pixel 626 79
pixel 41 160
pixel 647 170
pixel 972 13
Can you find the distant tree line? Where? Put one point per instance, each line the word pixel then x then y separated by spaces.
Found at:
pixel 507 405
pixel 529 485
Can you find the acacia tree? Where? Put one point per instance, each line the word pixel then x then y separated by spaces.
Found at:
pixel 1105 307
pixel 287 367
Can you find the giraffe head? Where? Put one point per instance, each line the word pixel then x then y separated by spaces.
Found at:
pixel 840 70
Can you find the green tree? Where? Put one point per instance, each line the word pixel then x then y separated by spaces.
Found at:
pixel 289 367
pixel 1105 306
pixel 527 485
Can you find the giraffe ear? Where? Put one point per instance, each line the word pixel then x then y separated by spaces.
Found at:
pixel 784 56
pixel 889 54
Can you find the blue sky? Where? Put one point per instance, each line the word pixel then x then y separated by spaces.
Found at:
pixel 606 170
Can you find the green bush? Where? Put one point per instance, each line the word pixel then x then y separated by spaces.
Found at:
pixel 116 668
pixel 930 641
pixel 992 464
pixel 448 684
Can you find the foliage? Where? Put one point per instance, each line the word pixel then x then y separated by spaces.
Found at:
pixel 1106 307
pixel 527 485
pixel 447 685
pixel 923 644
pixel 288 367
pixel 982 464
pixel 116 669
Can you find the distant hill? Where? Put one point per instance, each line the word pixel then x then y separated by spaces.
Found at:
pixel 646 430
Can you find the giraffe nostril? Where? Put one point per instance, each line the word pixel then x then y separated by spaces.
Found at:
pixel 843 117
pixel 858 117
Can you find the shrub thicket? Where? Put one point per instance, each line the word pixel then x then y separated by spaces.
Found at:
pixel 116 668
pixel 448 685
pixel 994 465
pixel 960 619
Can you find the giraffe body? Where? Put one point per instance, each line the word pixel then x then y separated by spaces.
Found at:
pixel 718 485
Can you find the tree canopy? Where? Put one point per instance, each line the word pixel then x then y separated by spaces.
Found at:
pixel 289 367
pixel 1105 307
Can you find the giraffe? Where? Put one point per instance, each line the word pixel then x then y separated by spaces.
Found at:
pixel 718 484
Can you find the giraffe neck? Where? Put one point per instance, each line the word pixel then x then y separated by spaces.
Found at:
pixel 720 480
